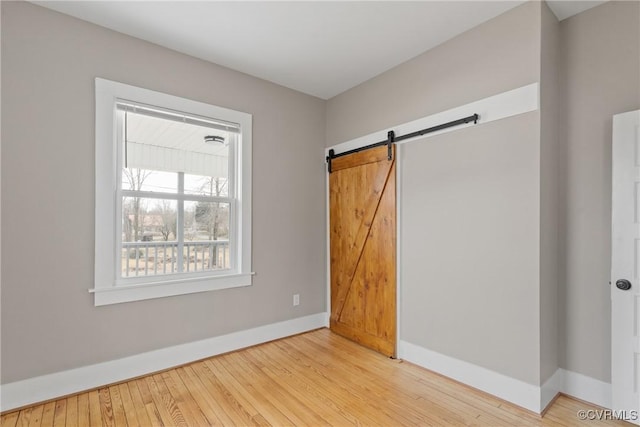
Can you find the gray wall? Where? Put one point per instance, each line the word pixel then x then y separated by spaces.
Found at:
pixel 469 241
pixel 600 76
pixel 550 207
pixel 49 323
pixel 499 55
pixel 470 199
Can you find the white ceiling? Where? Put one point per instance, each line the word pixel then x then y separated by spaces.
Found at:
pixel 564 9
pixel 317 47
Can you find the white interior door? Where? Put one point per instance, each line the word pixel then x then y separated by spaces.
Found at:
pixel 625 266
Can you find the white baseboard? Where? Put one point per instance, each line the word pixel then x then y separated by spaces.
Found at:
pixel 587 389
pixel 528 396
pixel 507 388
pixel 38 389
pixel 551 388
pixel 51 386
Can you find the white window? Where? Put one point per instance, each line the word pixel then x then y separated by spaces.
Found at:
pixel 173 195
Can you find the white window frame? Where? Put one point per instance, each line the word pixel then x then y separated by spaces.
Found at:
pixel 109 288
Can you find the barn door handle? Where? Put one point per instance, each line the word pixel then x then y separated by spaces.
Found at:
pixel 623 284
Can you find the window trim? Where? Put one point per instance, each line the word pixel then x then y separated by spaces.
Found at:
pixel 105 290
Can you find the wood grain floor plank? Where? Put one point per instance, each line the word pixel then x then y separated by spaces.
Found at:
pixel 157 412
pixel 285 378
pixel 106 409
pixel 405 412
pixel 24 417
pixel 83 410
pixel 214 394
pixel 130 412
pixel 210 409
pixel 36 416
pixel 317 378
pixel 566 409
pixel 281 398
pixel 119 416
pixel 72 412
pixel 60 414
pixel 143 388
pixel 224 394
pixel 245 394
pixel 170 413
pixel 47 414
pixel 95 410
pixel 10 419
pixel 369 386
pixel 397 378
pixel 136 403
pixel 341 397
pixel 190 409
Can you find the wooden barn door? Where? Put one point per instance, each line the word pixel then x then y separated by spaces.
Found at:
pixel 362 198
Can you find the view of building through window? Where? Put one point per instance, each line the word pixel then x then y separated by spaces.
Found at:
pixel 176 193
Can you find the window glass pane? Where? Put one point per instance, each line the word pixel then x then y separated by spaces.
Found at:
pixel 159 144
pixel 149 229
pixel 206 185
pixel 148 180
pixel 206 236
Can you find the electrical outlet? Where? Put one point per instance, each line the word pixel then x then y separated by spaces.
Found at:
pixel 296 299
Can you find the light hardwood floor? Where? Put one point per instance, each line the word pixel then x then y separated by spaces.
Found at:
pixel 313 379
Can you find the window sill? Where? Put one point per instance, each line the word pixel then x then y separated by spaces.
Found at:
pixel 128 293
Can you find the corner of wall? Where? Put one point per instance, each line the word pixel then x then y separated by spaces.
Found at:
pixel 550 209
